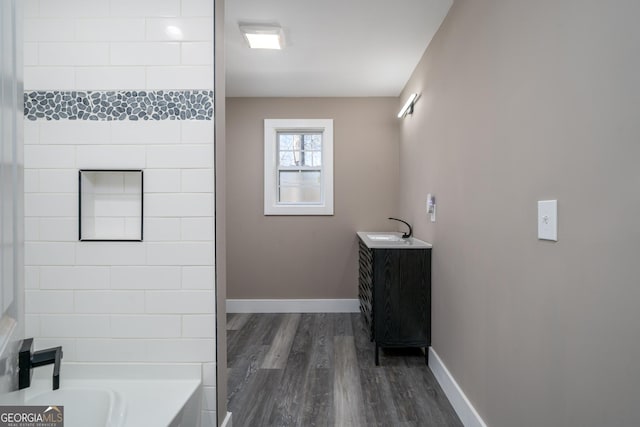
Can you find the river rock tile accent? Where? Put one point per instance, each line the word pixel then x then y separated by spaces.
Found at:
pixel 119 105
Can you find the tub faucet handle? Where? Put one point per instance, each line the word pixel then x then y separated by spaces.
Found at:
pixel 28 359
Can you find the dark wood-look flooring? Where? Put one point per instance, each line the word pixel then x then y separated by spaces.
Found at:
pixel 318 370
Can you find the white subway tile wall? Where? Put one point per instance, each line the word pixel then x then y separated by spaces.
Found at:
pixel 151 301
pixel 118 44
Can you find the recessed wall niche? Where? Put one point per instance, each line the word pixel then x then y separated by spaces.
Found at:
pixel 110 205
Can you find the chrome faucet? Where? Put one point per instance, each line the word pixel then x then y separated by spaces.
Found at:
pixel 405 235
pixel 27 360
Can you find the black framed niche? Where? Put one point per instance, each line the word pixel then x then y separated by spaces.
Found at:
pixel 110 205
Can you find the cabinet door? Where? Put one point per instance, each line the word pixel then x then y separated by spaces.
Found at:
pixel 365 285
pixel 402 297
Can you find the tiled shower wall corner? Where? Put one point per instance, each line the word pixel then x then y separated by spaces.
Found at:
pixel 143 72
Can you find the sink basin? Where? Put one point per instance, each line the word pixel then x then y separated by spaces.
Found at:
pixel 385 237
pixel 390 240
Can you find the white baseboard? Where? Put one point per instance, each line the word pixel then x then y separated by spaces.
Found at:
pixel 227 420
pixel 293 306
pixel 463 407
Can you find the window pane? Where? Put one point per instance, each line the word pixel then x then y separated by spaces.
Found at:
pixel 287 158
pixel 299 178
pixel 300 194
pixel 313 141
pixel 312 158
pixel 285 141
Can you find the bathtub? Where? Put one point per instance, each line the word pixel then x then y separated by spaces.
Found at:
pixel 115 395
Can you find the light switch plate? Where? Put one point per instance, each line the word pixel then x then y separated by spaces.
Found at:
pixel 548 220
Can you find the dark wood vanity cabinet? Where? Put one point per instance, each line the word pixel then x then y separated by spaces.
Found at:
pixel 395 296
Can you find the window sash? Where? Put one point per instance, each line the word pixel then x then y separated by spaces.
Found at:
pixel 301 151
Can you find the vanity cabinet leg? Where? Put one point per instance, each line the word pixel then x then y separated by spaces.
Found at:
pixel 426 356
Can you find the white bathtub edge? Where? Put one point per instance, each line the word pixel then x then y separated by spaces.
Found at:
pixel 124 371
pixel 227 420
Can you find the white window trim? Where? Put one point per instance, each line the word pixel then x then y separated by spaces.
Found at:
pixel 271 128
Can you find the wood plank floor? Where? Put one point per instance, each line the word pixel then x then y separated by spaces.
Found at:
pixel 318 370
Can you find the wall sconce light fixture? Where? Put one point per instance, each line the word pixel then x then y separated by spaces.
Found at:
pixel 408 106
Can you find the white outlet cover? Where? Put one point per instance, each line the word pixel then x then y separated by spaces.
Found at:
pixel 548 220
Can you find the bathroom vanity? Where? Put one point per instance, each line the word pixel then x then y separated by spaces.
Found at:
pixel 395 290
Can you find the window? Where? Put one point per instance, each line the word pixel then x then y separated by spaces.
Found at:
pixel 298 167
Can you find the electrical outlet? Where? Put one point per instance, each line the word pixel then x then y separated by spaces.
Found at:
pixel 548 220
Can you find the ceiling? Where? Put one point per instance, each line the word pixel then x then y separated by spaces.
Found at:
pixel 333 47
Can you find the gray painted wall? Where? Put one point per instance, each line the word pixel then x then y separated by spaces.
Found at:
pixel 308 256
pixel 525 101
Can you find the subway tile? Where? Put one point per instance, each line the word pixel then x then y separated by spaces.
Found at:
pixel 72 53
pixel 180 156
pixel 58 181
pixel 197 131
pixel 209 398
pixel 197 181
pixel 59 229
pixel 180 29
pixel 30 54
pixel 183 253
pixel 70 132
pixel 161 229
pixel 199 326
pixel 145 326
pixel 41 204
pixel 68 346
pixel 181 350
pixel 197 53
pixel 114 302
pixel 74 325
pixel 48 30
pixel 209 374
pixel 111 157
pixel 72 277
pixel 111 350
pixel 31 229
pixel 47 253
pixel 194 229
pixel 180 77
pixel 59 157
pixel 147 53
pixel 39 301
pixel 162 181
pixel 158 277
pixel 31 8
pixel 178 205
pixel 158 8
pixel 180 302
pixel 198 278
pixel 145 132
pixel 31 132
pixel 105 253
pixel 110 78
pixel 31 181
pixel 46 78
pixel 32 277
pixel 31 325
pixel 74 8
pixel 110 29
pixel 197 8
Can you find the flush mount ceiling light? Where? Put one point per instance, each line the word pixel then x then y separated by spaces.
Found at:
pixel 263 36
pixel 408 106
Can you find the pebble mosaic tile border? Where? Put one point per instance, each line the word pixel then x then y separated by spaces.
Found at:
pixel 119 105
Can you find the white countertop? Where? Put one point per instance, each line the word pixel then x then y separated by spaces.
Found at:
pixel 391 240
